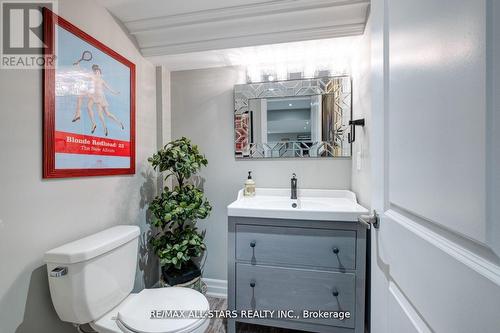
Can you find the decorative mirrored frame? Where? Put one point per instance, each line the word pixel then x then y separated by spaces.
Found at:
pixel 335 120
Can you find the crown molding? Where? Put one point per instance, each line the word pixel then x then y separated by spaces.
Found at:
pixel 142 26
pixel 255 39
pixel 265 22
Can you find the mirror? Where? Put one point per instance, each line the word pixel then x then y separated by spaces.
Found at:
pixel 296 118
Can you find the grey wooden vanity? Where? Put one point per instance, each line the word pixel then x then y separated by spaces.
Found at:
pixel 297 264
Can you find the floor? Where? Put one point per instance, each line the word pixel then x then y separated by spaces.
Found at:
pixel 219 325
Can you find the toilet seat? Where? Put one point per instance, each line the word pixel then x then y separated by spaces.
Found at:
pixel 134 316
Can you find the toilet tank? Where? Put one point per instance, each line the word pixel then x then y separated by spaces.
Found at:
pixel 90 276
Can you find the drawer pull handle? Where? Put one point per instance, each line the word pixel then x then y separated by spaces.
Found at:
pixel 252 246
pixel 336 251
pixel 253 302
pixel 335 294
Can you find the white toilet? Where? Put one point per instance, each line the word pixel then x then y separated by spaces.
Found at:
pixel 91 279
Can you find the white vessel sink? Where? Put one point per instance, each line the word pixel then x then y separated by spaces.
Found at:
pixel 323 205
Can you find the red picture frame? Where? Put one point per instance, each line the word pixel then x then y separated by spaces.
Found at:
pixel 51 20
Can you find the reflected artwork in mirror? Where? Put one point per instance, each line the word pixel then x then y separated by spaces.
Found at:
pixel 295 118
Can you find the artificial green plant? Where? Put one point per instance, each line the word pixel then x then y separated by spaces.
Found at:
pixel 176 210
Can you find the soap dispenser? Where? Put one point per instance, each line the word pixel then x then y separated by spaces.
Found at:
pixel 249 190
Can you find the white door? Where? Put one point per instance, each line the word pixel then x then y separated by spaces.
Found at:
pixel 435 164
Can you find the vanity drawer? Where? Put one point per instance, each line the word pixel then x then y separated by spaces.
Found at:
pixel 278 288
pixel 320 248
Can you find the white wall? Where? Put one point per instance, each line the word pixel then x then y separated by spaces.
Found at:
pixel 163 109
pixel 202 109
pixel 37 215
pixel 361 106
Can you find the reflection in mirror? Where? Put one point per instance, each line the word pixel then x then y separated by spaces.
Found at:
pixel 299 118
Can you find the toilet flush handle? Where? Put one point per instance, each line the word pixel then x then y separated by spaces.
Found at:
pixel 59 271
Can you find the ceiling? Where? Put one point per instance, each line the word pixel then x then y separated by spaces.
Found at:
pixel 332 54
pixel 166 27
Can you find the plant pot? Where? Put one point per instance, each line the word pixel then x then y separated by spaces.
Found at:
pixel 188 272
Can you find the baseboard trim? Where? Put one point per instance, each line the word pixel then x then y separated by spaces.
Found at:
pixel 216 288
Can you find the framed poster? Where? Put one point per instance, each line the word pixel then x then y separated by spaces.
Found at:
pixel 89 105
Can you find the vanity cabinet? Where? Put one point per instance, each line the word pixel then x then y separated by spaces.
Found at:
pixel 286 264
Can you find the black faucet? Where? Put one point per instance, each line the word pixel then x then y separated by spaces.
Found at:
pixel 293 187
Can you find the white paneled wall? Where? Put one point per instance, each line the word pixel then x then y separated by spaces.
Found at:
pixel 437 112
pixel 493 125
pixel 434 163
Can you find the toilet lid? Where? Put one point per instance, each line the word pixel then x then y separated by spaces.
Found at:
pixel 136 314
